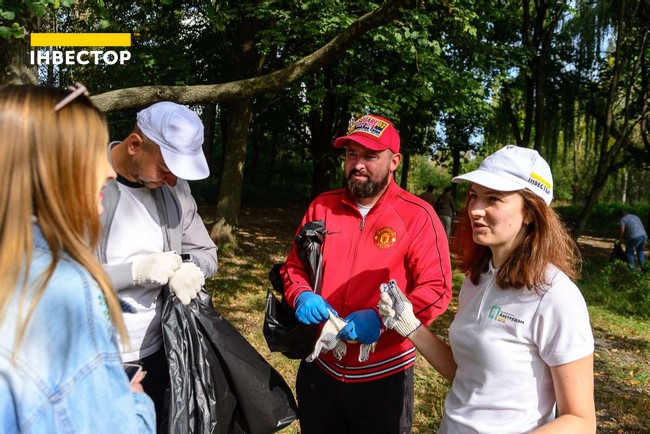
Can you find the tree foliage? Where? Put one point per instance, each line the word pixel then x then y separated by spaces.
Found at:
pixel 276 81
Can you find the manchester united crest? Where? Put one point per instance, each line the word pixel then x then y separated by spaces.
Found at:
pixel 385 237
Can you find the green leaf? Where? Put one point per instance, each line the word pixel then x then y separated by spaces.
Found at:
pixel 15 31
pixel 39 9
pixel 5 32
pixel 8 15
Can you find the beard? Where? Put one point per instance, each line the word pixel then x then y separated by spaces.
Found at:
pixel 365 189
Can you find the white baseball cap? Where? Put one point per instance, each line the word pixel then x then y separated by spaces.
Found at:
pixel 179 133
pixel 513 168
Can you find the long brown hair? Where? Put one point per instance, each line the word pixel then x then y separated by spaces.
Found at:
pixel 546 241
pixel 50 168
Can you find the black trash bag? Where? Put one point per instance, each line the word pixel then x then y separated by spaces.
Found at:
pixel 310 241
pixel 618 253
pixel 282 330
pixel 219 383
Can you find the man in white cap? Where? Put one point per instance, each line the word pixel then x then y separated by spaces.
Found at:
pixel 153 235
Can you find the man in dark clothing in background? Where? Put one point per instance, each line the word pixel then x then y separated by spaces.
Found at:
pixel 636 237
pixel 446 208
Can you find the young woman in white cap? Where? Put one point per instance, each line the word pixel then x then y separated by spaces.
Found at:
pixel 521 354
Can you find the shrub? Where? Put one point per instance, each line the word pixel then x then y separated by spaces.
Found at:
pixel 617 288
pixel 604 218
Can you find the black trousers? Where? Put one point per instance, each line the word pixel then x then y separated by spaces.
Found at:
pixel 327 406
pixel 156 381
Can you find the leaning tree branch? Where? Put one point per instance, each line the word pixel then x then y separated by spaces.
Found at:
pixel 134 97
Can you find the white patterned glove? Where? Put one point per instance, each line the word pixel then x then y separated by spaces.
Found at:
pixel 397 310
pixel 155 268
pixel 365 350
pixel 328 339
pixel 186 282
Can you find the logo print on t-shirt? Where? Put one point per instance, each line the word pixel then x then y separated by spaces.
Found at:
pixel 497 314
pixel 385 237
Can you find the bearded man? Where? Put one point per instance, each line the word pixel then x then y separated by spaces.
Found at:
pixel 376 231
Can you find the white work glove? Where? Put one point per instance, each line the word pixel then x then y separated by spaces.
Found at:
pixel 186 282
pixel 365 350
pixel 397 310
pixel 155 268
pixel 328 339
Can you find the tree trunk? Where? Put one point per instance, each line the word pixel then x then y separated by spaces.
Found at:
pixel 322 177
pixel 232 173
pixel 321 126
pixel 592 199
pixel 251 172
pixel 608 154
pixel 14 62
pixel 273 154
pixel 512 117
pixel 327 121
pixel 529 87
pixel 406 164
pixel 455 164
pixel 209 122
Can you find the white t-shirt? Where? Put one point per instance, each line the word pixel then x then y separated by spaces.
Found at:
pixel 363 209
pixel 504 342
pixel 136 232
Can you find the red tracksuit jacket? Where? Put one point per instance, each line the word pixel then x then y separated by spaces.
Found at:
pixel 401 238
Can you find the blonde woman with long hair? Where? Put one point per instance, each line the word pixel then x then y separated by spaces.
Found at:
pixel 60 369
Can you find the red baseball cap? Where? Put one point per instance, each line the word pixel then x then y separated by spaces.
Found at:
pixel 372 132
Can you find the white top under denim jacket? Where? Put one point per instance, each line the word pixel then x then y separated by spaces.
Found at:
pixel 67 375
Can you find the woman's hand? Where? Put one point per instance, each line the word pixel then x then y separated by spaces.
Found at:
pixel 136 385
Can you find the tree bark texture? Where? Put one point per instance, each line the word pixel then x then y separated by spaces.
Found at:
pixel 232 174
pixel 14 62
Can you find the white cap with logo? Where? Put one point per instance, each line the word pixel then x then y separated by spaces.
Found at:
pixel 513 168
pixel 179 133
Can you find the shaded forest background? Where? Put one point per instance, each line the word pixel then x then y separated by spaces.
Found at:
pixel 276 81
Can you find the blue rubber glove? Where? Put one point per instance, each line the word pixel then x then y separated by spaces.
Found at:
pixel 363 326
pixel 312 308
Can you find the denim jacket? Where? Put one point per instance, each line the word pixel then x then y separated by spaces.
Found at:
pixel 67 375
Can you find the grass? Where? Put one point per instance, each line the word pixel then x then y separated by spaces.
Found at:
pixel 622 372
pixel 622 356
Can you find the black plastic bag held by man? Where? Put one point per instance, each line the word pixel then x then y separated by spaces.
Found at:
pixel 282 330
pixel 219 383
